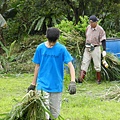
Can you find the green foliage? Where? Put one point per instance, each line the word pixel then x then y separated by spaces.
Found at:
pixel 111 19
pixel 118 34
pixel 8 55
pixel 82 25
pixel 20 55
pixel 38 16
pixel 34 16
pixel 66 26
pixel 72 37
pixel 40 21
pixel 114 67
pixel 12 33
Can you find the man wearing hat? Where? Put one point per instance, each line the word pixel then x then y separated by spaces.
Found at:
pixel 95 37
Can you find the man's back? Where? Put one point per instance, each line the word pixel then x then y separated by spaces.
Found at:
pixel 51 61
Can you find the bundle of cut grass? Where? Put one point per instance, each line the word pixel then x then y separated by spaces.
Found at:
pixel 112 73
pixel 31 107
pixel 113 93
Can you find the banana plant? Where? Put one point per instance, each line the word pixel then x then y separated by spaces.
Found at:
pixel 40 21
pixel 7 56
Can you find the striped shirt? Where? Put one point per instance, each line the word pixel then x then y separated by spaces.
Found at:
pixel 95 35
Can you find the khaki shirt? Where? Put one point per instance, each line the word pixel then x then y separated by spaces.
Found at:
pixel 95 35
pixel 3 23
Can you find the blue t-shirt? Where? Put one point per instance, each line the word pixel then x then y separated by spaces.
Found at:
pixel 51 61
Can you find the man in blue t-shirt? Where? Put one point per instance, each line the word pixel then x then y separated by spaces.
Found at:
pixel 49 58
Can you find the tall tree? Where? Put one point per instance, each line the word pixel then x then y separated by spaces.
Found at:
pixel 103 9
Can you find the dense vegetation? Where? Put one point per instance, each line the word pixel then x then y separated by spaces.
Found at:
pixel 28 20
pixel 34 16
pixel 27 23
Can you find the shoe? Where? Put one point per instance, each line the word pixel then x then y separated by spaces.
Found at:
pixel 98 77
pixel 78 80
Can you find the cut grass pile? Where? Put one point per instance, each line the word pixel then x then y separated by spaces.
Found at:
pixel 89 103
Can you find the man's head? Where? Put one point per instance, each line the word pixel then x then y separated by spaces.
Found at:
pixel 52 34
pixel 93 21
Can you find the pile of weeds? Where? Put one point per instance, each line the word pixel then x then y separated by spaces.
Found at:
pixel 112 73
pixel 113 93
pixel 31 107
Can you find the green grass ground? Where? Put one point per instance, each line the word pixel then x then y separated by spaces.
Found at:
pixel 87 104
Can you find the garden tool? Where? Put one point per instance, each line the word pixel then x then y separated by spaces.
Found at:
pixel 104 63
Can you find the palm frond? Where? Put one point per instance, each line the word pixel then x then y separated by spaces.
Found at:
pixel 39 24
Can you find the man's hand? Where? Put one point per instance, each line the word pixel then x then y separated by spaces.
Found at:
pixel 72 87
pixel 31 87
pixel 104 53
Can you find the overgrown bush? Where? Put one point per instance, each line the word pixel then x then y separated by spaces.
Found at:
pixel 17 58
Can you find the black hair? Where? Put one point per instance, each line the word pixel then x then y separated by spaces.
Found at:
pixel 52 34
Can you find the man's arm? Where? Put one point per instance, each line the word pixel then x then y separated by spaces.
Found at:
pixel 72 71
pixel 104 45
pixel 37 66
pixel 72 85
pixel 104 48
